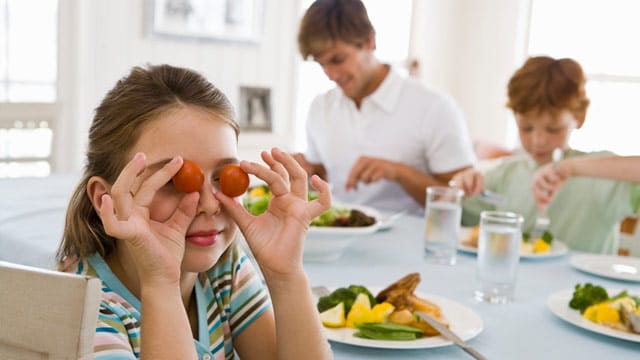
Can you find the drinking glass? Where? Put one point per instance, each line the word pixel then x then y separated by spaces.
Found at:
pixel 443 212
pixel 498 255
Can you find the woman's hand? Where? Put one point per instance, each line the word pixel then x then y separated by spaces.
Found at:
pixel 276 237
pixel 469 180
pixel 158 247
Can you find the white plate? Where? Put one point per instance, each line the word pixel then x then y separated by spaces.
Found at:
pixel 609 266
pixel 327 243
pixel 350 230
pixel 558 303
pixel 462 320
pixel 558 248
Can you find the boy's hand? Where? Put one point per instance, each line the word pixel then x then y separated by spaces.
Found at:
pixel 546 182
pixel 469 180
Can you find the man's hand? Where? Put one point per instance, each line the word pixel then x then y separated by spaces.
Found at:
pixel 369 170
pixel 310 168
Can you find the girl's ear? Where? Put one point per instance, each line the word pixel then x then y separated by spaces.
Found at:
pixel 96 187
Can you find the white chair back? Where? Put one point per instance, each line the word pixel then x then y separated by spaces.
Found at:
pixel 46 314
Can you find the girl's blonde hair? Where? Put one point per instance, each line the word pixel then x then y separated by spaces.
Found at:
pixel 135 101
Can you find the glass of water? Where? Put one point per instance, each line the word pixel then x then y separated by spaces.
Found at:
pixel 498 255
pixel 443 212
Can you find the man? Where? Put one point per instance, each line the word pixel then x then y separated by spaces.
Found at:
pixel 379 138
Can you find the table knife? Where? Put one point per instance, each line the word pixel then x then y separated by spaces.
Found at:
pixel 450 335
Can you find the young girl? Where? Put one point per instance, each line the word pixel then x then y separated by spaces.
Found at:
pixel 548 99
pixel 175 284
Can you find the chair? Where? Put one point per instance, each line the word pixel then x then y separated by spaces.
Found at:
pixel 46 314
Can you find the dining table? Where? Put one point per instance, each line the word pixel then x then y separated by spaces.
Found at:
pixel 522 329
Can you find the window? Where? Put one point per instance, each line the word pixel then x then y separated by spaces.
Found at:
pixel 602 35
pixel 391 21
pixel 28 83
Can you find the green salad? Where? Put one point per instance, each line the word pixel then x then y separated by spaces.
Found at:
pixel 258 197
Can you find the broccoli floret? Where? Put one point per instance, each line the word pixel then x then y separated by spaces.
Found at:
pixel 547 237
pixel 339 295
pixel 361 289
pixel 525 236
pixel 587 295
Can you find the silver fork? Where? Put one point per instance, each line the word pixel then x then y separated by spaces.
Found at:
pixel 542 219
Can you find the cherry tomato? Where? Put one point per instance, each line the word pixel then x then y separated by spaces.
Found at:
pixel 233 180
pixel 189 178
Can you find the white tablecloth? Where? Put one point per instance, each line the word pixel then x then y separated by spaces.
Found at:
pixel 524 329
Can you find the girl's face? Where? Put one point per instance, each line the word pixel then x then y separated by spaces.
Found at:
pixel 541 132
pixel 200 136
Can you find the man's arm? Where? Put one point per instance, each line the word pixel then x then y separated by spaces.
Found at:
pixel 311 168
pixel 413 181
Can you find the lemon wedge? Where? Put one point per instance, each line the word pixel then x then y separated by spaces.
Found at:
pixel 333 317
pixel 541 246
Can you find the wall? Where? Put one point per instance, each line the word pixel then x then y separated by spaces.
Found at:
pixel 469 49
pixel 466 48
pixel 102 39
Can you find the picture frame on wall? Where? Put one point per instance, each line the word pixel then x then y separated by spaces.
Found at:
pixel 255 109
pixel 216 20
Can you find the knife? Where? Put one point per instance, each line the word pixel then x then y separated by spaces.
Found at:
pixel 450 335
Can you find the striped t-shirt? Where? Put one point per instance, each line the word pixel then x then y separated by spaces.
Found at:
pixel 229 297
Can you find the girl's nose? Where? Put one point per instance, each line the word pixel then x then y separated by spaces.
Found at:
pixel 208 203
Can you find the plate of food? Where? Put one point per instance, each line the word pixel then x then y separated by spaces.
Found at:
pixel 383 317
pixel 610 312
pixel 609 266
pixel 538 249
pixel 328 234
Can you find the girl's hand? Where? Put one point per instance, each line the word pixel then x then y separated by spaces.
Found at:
pixel 546 182
pixel 469 180
pixel 158 247
pixel 276 237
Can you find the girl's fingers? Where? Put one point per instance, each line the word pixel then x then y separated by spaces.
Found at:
pixel 122 189
pixel 297 175
pixel 112 226
pixel 234 209
pixel 275 165
pixel 157 180
pixel 323 202
pixel 278 185
pixel 185 212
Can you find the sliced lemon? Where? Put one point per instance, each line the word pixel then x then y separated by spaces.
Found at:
pixel 541 246
pixel 333 317
pixel 359 313
pixel 380 312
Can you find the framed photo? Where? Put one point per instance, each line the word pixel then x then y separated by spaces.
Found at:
pixel 226 20
pixel 255 109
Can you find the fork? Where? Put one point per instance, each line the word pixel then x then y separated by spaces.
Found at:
pixel 542 219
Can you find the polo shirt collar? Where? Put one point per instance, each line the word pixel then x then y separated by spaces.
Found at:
pixel 387 95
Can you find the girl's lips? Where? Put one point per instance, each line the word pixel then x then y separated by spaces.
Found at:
pixel 202 238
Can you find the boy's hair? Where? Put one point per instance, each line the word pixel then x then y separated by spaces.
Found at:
pixel 327 21
pixel 545 84
pixel 135 101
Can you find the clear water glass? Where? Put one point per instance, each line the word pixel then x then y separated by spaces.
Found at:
pixel 498 256
pixel 443 212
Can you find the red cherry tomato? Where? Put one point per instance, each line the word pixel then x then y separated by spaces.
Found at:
pixel 233 180
pixel 189 178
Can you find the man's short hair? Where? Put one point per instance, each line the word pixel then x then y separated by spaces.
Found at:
pixel 327 21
